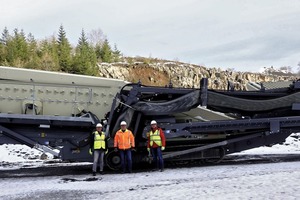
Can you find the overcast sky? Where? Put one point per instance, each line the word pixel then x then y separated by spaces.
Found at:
pixel 242 34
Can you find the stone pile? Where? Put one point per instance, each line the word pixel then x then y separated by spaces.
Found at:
pixel 183 75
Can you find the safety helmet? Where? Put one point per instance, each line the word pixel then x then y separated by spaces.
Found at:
pixel 99 125
pixel 123 123
pixel 153 122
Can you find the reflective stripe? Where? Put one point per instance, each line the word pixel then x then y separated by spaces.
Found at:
pixel 99 140
pixel 124 140
pixel 155 137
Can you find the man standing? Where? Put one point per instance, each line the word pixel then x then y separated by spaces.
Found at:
pixel 156 143
pixel 124 142
pixel 98 147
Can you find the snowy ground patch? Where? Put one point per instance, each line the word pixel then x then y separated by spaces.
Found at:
pixel 291 145
pixel 17 155
pixel 242 181
pixel 253 181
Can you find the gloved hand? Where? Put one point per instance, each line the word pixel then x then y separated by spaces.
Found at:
pixel 162 148
pixel 133 149
pixel 106 151
pixel 90 151
pixel 148 149
pixel 116 149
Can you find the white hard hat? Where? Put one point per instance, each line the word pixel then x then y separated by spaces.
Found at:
pixel 123 123
pixel 153 122
pixel 98 125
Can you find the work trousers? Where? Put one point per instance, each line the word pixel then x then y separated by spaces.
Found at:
pixel 126 153
pixel 157 157
pixel 98 156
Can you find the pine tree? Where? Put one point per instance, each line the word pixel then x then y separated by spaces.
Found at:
pixel 85 59
pixel 82 40
pixel 17 49
pixel 49 55
pixel 98 52
pixel 2 54
pixel 106 52
pixel 34 61
pixel 116 54
pixel 64 50
pixel 5 36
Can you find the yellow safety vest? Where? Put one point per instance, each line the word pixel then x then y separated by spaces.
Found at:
pixel 155 137
pixel 99 140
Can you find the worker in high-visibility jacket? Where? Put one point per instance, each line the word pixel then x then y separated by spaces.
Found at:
pixel 156 144
pixel 98 147
pixel 124 143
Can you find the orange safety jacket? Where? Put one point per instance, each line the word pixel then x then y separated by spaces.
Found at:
pixel 124 140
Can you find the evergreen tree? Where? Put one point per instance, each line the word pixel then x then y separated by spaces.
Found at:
pixel 3 46
pixel 22 46
pixel 82 40
pixel 106 54
pixel 10 50
pixel 2 54
pixel 5 36
pixel 98 52
pixel 64 50
pixel 48 55
pixel 85 60
pixel 116 54
pixel 34 61
pixel 17 49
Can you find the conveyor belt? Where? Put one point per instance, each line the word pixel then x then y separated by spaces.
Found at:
pixel 220 100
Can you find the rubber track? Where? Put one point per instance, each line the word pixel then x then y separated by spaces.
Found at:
pixel 221 100
pixel 181 104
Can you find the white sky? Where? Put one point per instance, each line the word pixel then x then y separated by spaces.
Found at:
pixel 241 34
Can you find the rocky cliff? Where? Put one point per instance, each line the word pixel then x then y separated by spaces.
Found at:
pixel 161 73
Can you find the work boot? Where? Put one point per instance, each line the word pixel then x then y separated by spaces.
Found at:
pixel 161 170
pixel 94 173
pixel 101 172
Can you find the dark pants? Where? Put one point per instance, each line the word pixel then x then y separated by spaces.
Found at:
pixel 126 153
pixel 157 157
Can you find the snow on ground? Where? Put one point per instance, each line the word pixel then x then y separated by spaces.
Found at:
pixel 18 153
pixel 242 181
pixel 16 156
pixel 252 181
pixel 290 146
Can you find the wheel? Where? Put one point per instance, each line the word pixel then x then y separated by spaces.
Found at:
pixel 113 160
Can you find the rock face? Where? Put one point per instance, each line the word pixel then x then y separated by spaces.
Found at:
pixel 183 75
